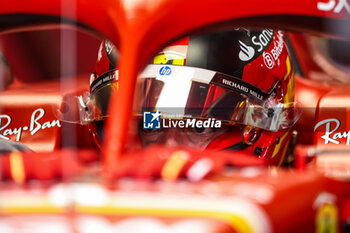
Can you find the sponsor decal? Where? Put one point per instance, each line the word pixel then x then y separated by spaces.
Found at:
pixel 331 135
pixel 260 42
pixel 235 85
pixel 246 53
pixel 165 70
pixel 103 80
pixel 268 60
pixel 332 5
pixel 152 120
pixel 271 57
pixel 263 39
pixel 277 49
pixel 245 88
pixel 109 47
pixel 35 125
pixel 326 219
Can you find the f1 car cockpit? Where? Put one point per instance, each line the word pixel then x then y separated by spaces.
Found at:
pixel 174 116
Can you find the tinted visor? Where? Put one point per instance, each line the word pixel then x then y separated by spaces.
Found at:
pixel 101 91
pixel 179 92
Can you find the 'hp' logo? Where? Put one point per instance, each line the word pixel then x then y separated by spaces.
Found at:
pixel 165 70
pixel 151 120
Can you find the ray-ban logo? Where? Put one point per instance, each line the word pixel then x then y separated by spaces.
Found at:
pixel 331 134
pixel 35 125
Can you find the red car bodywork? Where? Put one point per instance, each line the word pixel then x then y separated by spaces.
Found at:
pixel 74 194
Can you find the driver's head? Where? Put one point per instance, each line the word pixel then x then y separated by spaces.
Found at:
pixel 228 90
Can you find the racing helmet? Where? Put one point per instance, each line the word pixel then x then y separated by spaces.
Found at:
pixel 238 82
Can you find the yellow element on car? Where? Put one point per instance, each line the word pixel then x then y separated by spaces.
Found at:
pixel 17 167
pixel 174 165
pixel 163 59
pixel 289 97
pixel 327 219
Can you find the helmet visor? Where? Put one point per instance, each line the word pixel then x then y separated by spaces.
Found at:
pixel 180 92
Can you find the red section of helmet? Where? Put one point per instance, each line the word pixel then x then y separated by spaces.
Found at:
pixel 102 64
pixel 260 74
